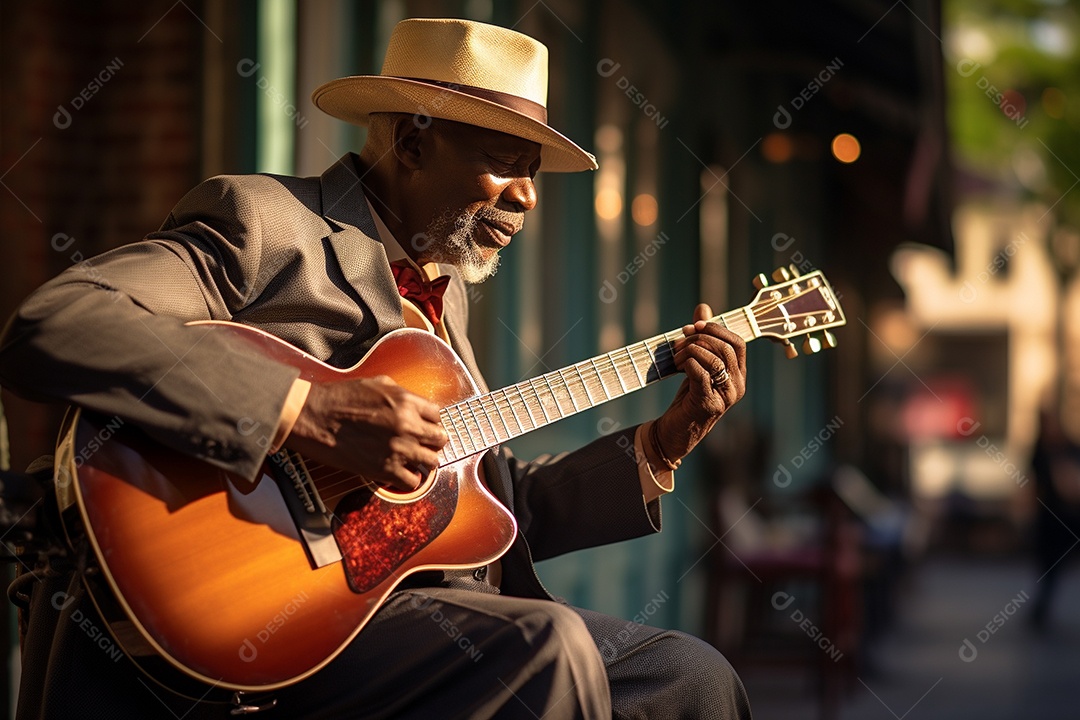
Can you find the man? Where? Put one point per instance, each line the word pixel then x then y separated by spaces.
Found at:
pixel 457 132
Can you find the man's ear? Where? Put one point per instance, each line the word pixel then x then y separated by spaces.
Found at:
pixel 410 140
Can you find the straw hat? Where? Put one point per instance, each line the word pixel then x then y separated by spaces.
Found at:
pixel 460 70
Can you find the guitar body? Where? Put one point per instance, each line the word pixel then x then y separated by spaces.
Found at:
pixel 205 573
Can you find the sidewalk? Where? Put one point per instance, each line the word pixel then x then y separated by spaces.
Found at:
pixel 924 670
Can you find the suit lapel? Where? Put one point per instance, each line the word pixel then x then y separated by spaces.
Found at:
pixel 355 243
pixel 455 320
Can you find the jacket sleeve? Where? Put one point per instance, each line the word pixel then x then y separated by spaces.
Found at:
pixel 109 333
pixel 588 497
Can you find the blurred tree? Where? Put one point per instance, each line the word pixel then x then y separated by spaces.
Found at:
pixel 1013 74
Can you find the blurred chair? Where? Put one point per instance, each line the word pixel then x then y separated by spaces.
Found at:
pixel 893 536
pixel 786 591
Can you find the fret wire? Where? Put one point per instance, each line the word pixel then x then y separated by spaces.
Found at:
pixel 547 418
pixel 547 377
pixel 525 404
pixel 584 382
pixel 588 376
pixel 651 363
pixel 490 397
pixel 555 400
pixel 618 375
pixel 462 430
pixel 569 390
pixel 477 411
pixel 670 344
pixel 461 437
pixel 581 379
pixel 476 405
pixel 630 355
pixel 490 404
pixel 469 434
pixel 455 437
pixel 600 377
pixel 510 404
pixel 480 429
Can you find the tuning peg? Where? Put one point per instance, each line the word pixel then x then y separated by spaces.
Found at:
pixel 829 339
pixel 811 345
pixel 794 270
pixel 781 274
pixel 790 350
pixel 760 281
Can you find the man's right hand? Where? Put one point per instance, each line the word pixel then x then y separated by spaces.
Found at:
pixel 373 427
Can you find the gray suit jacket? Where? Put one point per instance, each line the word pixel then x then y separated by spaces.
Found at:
pixel 299 258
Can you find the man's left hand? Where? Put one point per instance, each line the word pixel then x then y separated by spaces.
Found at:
pixel 714 360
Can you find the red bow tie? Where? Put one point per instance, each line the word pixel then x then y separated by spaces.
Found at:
pixel 425 294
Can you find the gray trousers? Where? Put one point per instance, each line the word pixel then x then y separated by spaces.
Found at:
pixel 428 653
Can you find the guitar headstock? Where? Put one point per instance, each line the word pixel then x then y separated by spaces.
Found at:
pixel 795 305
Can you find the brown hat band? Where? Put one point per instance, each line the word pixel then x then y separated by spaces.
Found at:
pixel 526 107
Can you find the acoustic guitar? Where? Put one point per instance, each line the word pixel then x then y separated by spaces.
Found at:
pixel 210 581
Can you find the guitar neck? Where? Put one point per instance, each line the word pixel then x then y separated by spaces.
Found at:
pixel 484 421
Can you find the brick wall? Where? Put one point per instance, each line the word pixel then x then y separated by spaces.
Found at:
pixel 99 137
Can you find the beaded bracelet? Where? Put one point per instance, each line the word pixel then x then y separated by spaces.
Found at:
pixel 654 437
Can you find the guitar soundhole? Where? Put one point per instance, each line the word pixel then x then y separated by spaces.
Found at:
pixel 377 536
pixel 401 496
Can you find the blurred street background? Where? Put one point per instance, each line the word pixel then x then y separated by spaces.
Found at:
pixel 884 529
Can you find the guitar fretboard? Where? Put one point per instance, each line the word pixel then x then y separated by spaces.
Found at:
pixel 484 421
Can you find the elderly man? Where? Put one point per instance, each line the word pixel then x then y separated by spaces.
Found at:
pixel 456 134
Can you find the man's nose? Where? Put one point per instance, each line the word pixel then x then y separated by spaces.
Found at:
pixel 521 192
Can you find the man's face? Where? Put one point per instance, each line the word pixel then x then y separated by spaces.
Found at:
pixel 478 185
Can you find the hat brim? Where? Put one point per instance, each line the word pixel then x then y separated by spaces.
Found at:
pixel 353 99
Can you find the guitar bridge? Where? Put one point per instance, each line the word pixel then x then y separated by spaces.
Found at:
pixel 313 520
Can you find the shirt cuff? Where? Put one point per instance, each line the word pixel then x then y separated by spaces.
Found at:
pixel 294 403
pixel 654 483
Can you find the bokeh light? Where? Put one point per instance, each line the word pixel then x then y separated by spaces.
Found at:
pixel 777 147
pixel 644 209
pixel 608 204
pixel 846 148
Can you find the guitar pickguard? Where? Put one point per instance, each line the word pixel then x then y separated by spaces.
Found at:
pixel 375 534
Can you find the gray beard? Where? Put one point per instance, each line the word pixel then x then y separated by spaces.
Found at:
pixel 449 239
